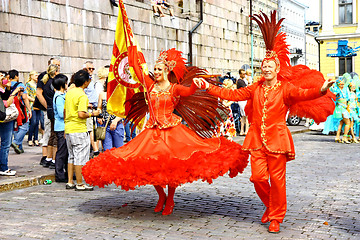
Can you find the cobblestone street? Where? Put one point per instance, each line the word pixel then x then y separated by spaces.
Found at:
pixel 323 203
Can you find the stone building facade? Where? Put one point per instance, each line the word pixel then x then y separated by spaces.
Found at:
pixel 32 31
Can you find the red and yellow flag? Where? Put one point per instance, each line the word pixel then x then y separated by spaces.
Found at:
pixel 122 81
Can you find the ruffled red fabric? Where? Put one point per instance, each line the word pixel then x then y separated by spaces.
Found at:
pixel 172 156
pixel 318 109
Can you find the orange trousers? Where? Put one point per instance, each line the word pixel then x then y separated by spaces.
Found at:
pixel 265 164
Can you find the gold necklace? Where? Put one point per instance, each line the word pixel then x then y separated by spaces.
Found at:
pixel 159 89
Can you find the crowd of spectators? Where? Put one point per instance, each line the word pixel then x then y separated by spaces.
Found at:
pixel 238 115
pixel 70 109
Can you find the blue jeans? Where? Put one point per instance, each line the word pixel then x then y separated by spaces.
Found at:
pixel 6 131
pixel 34 125
pixel 42 124
pixel 128 127
pixel 20 134
pixel 114 138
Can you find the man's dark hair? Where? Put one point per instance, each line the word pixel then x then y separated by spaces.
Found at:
pixel 59 81
pixel 242 70
pixel 13 73
pixel 80 77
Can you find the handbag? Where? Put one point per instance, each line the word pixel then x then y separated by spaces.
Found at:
pixel 11 113
pixel 100 132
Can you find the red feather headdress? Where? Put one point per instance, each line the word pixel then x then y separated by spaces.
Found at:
pixel 277 49
pixel 174 61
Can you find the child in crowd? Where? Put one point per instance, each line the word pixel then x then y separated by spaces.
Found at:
pixel 77 136
pixel 61 158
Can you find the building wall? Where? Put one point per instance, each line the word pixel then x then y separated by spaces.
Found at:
pixel 32 31
pixel 293 26
pixel 312 51
pixel 332 31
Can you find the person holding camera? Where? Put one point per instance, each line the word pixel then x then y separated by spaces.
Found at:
pixel 6 128
pixel 114 136
pixel 22 103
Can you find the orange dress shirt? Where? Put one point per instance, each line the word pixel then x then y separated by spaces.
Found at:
pixel 269 109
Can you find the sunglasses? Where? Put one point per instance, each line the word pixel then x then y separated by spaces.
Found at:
pixel 91 69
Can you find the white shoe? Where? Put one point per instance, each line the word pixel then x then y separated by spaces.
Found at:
pixel 83 187
pixel 8 172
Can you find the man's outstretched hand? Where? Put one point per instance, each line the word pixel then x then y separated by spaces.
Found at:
pixel 201 83
pixel 327 84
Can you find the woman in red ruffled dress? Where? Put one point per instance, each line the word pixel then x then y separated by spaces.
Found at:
pixel 167 152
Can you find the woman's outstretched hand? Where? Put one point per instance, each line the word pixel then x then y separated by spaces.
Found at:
pixel 201 83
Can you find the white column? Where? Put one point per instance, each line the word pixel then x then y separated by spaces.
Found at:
pixel 327 20
pixel 357 21
pixel 189 6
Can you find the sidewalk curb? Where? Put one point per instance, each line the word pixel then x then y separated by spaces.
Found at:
pixel 39 180
pixel 26 182
pixel 300 131
pixel 241 141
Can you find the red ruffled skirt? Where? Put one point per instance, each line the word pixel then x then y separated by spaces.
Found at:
pixel 171 156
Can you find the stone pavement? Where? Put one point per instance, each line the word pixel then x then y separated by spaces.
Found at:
pixel 31 173
pixel 28 170
pixel 322 189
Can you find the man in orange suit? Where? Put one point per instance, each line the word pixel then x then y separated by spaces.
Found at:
pixel 269 140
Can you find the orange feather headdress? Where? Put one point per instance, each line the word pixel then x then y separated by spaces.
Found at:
pixel 277 49
pixel 174 61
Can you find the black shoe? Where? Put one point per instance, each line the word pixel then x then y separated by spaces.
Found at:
pixel 52 165
pixel 22 151
pixel 43 160
pixel 16 148
pixel 61 180
pixel 47 163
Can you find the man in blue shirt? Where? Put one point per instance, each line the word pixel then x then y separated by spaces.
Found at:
pixel 93 102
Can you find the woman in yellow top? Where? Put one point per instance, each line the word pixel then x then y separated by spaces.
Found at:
pixel 36 112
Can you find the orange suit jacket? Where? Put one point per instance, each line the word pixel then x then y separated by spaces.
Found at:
pixel 269 109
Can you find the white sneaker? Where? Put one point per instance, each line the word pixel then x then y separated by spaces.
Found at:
pixel 83 187
pixel 8 172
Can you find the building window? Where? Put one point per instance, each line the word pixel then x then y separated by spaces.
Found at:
pixel 345 11
pixel 345 65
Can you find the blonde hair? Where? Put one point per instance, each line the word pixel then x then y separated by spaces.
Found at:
pixel 51 72
pixel 103 72
pixel 248 71
pixel 228 83
pixel 30 74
